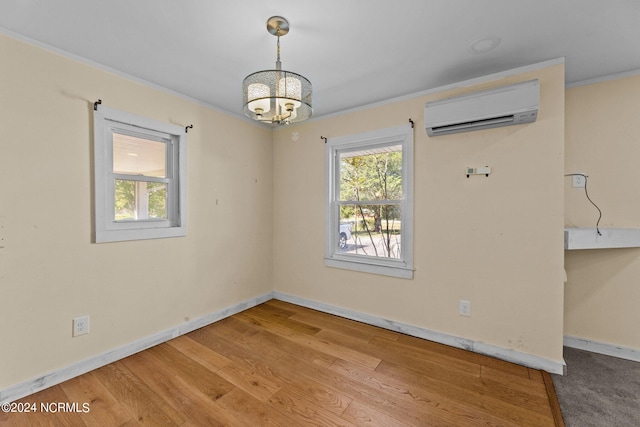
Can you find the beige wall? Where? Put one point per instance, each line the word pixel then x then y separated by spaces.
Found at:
pixel 50 271
pixel 495 241
pixel 603 289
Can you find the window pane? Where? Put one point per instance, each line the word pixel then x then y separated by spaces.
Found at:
pixel 140 200
pixel 370 230
pixel 139 156
pixel 371 174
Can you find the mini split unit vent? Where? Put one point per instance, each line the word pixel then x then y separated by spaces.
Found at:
pixel 504 106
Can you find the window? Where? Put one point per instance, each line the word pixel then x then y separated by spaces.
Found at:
pixel 139 167
pixel 369 214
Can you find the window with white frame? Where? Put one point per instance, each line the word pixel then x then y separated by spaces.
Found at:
pixel 139 177
pixel 369 212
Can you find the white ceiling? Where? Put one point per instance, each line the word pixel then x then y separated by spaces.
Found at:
pixel 355 52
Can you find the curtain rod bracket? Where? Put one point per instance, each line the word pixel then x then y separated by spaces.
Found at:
pixel 95 104
pixel 325 139
pixel 186 129
pixel 411 121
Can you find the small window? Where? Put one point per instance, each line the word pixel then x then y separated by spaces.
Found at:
pixel 369 212
pixel 139 167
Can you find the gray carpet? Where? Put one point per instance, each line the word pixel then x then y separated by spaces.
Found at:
pixel 598 390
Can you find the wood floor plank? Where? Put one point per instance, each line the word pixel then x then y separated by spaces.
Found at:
pixel 36 416
pixel 209 383
pixel 406 354
pixel 274 309
pixel 512 382
pixel 229 348
pixel 253 412
pixel 362 415
pixel 323 346
pixel 265 336
pixel 130 423
pixel 317 393
pixel 354 330
pixel 336 350
pixel 284 327
pixel 535 375
pixel 430 403
pixel 247 336
pixel 462 354
pixel 473 394
pixel 178 392
pixel 206 356
pixel 280 376
pixel 256 385
pixel 278 372
pixel 304 412
pixel 371 396
pixel 553 399
pixel 279 364
pixel 243 359
pixel 278 317
pixel 275 371
pixel 357 330
pixel 320 395
pixel 104 409
pixel 144 404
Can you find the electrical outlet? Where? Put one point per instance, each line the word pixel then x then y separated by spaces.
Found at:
pixel 464 308
pixel 579 181
pixel 80 326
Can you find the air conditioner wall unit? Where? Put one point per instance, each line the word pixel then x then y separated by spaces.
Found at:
pixel 503 106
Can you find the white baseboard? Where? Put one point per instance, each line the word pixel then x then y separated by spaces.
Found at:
pixel 26 388
pixel 536 362
pixel 602 348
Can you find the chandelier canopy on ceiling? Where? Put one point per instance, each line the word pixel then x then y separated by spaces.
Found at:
pixel 277 96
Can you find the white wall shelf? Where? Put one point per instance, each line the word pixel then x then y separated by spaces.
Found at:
pixel 588 238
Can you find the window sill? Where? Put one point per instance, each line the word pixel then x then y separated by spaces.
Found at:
pixel 402 272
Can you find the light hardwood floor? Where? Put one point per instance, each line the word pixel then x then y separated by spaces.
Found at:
pixel 279 364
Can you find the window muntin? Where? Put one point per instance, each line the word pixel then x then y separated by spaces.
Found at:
pixel 369 210
pixel 140 179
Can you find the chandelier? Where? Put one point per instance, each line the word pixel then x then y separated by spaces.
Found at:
pixel 277 96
